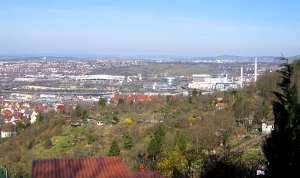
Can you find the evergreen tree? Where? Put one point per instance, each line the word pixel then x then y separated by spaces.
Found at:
pixel 199 93
pixel 121 101
pixel 114 149
pixel 102 102
pixel 282 147
pixel 48 141
pixel 78 111
pixel 180 141
pixel 116 118
pixel 128 142
pixel 194 93
pixel 155 144
pixel 154 148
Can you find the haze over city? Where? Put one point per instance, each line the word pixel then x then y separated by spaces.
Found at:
pixel 150 28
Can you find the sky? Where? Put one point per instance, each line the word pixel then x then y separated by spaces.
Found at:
pixel 150 27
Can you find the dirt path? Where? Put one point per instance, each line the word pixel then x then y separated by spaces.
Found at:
pixel 248 143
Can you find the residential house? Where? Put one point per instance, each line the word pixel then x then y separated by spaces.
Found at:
pixel 267 127
pixel 59 107
pixel 220 106
pixel 8 129
pixel 33 116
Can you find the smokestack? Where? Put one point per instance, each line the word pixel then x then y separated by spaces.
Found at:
pixel 255 69
pixel 241 77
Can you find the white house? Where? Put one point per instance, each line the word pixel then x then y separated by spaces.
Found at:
pixel 267 127
pixel 8 130
pixel 33 117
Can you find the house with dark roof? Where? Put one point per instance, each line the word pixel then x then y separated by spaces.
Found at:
pixel 100 167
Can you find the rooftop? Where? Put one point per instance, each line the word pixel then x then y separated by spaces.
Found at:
pixel 100 167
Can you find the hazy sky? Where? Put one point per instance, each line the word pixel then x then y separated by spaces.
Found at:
pixel 150 27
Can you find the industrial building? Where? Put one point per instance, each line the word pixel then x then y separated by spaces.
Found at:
pixel 207 83
pixel 169 81
pixel 166 84
pixel 110 78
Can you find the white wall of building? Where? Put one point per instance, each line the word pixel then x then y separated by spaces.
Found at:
pixel 205 82
pixel 266 128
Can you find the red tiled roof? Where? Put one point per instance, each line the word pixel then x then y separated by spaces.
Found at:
pixel 7 117
pixel 38 108
pixel 103 167
pixel 9 127
pixel 143 98
pixel 130 98
pixel 220 104
pixel 17 114
pixel 6 112
pixel 60 107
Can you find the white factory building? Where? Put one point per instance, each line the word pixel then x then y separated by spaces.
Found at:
pixel 111 78
pixel 208 83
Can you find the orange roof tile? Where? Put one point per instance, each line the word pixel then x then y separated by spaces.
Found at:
pixel 220 104
pixel 130 98
pixel 102 167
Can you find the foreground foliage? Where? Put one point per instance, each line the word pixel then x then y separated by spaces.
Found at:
pixel 282 147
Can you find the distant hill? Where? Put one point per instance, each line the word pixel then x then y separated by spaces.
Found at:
pixel 247 58
pixel 240 58
pixel 293 58
pixel 161 58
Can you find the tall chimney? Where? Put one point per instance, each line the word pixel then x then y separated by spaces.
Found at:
pixel 241 77
pixel 255 69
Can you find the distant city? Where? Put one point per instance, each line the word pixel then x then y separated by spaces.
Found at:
pixel 53 81
pixel 40 84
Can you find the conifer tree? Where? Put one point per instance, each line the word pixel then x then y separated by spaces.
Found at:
pixel 156 143
pixel 282 147
pixel 48 141
pixel 180 141
pixel 78 111
pixel 102 102
pixel 194 93
pixel 114 149
pixel 128 142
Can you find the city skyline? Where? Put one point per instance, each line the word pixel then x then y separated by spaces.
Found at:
pixel 150 28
